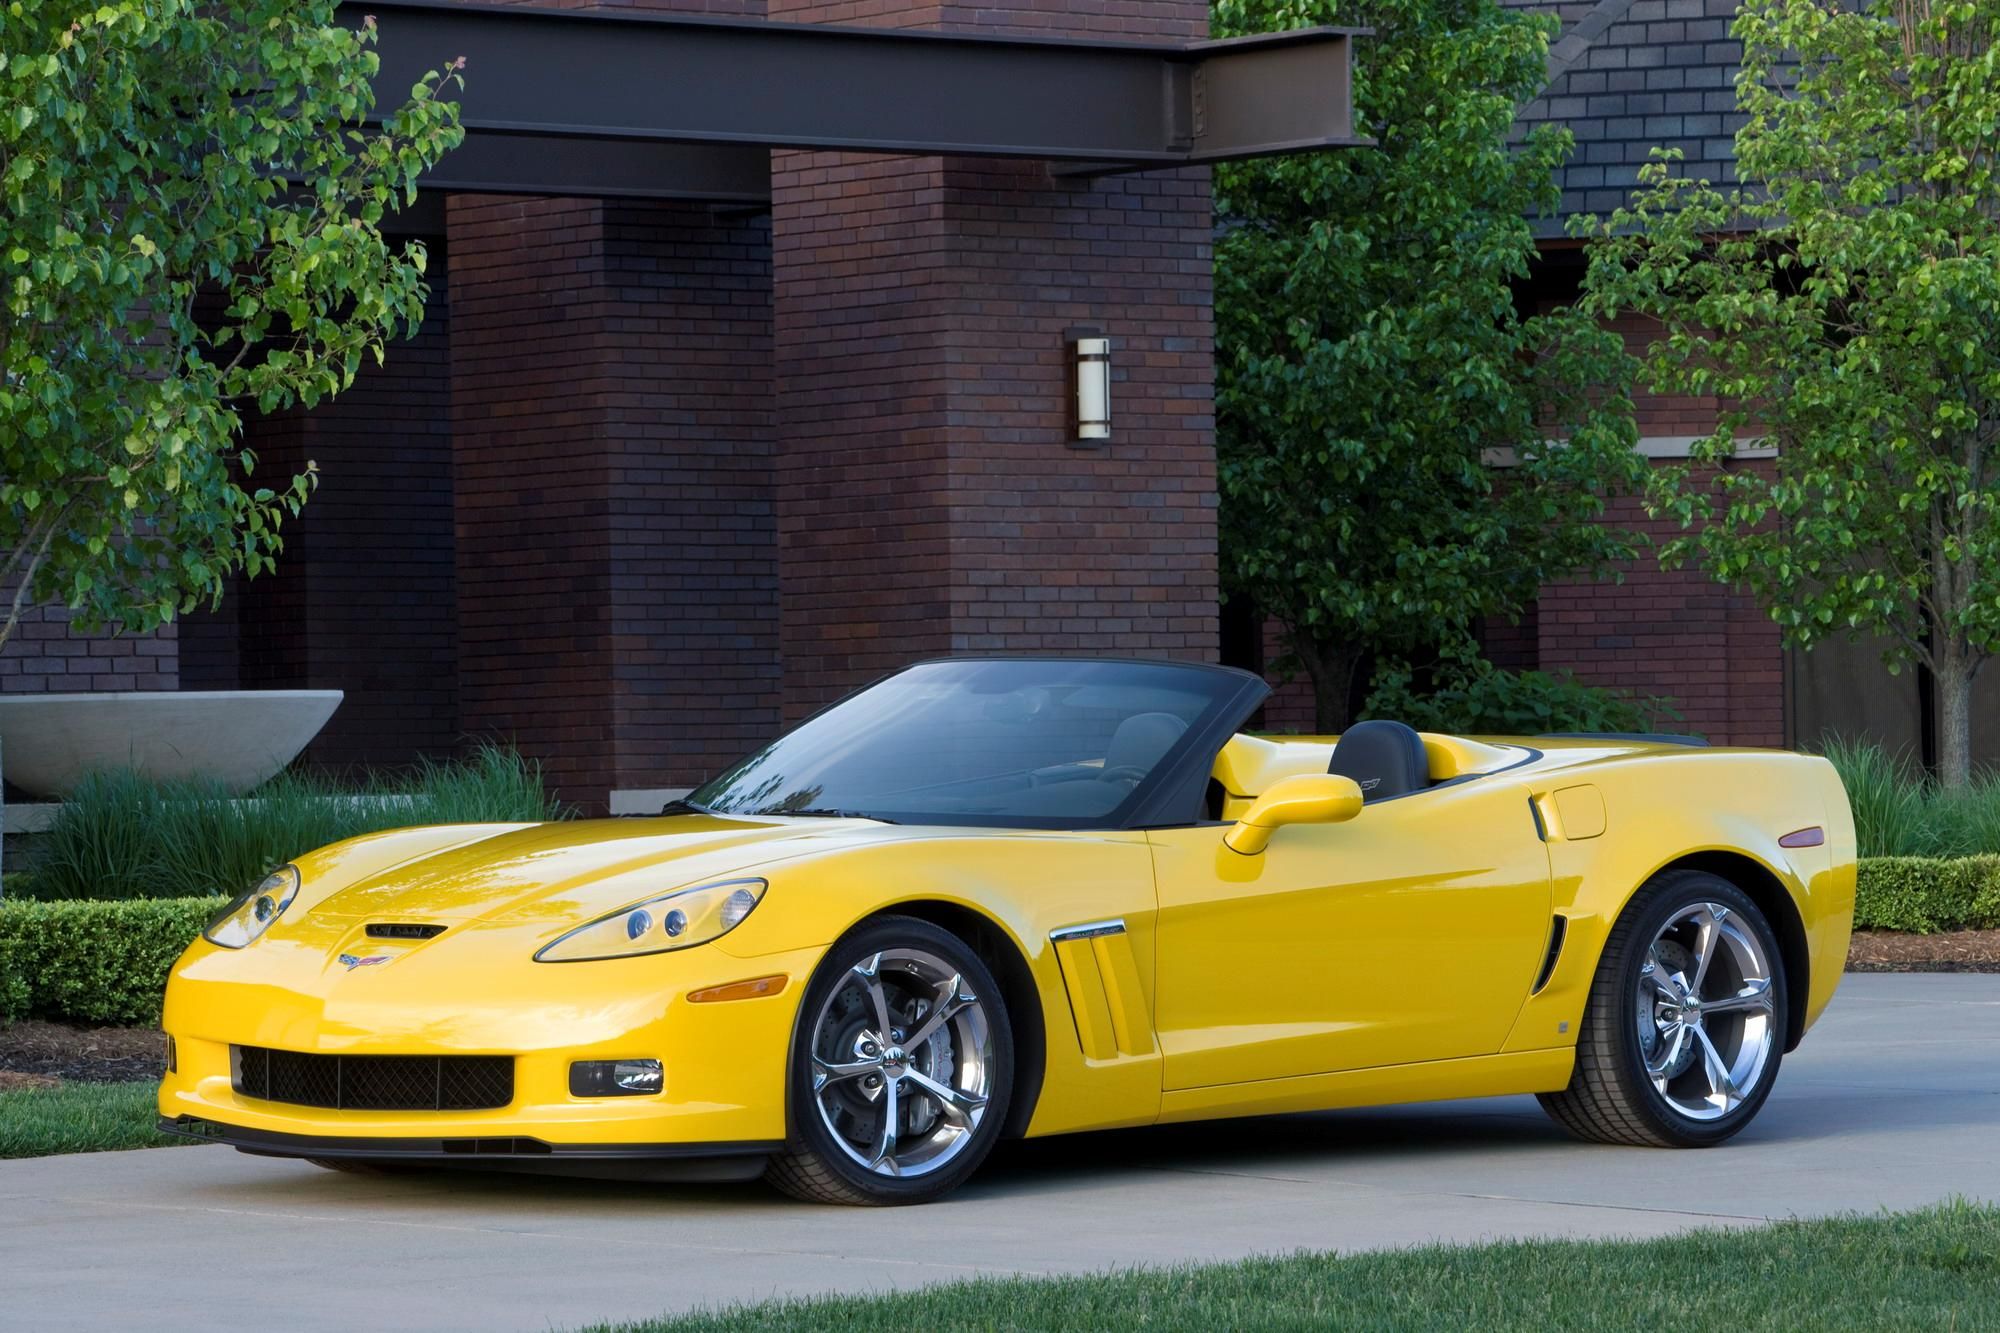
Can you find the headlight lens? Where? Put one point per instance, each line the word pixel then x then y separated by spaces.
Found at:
pixel 252 913
pixel 677 920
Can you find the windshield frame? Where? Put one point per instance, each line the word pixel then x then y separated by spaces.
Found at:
pixel 1173 794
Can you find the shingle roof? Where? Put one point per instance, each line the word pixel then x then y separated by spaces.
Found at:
pixel 1629 75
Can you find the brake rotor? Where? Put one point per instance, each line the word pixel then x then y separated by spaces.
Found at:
pixel 1674 958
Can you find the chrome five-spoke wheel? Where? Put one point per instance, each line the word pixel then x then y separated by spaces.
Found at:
pixel 1684 1025
pixel 1705 1020
pixel 902 1056
pixel 902 1070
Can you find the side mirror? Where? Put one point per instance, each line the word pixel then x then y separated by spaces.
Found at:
pixel 1307 798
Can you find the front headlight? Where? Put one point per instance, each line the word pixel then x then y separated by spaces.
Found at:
pixel 677 920
pixel 253 912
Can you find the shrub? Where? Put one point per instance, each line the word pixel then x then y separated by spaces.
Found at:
pixel 123 836
pixel 94 962
pixel 1924 895
pixel 1898 813
pixel 1487 701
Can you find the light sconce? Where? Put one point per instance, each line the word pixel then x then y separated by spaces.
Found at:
pixel 1092 356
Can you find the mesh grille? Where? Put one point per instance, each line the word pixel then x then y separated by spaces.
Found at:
pixel 374 1082
pixel 402 930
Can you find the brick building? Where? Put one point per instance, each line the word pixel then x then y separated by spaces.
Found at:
pixel 659 475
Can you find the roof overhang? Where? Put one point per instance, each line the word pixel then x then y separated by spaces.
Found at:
pixel 570 102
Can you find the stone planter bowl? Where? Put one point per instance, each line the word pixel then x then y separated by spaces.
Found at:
pixel 48 742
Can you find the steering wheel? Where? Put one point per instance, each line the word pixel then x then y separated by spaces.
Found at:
pixel 1131 773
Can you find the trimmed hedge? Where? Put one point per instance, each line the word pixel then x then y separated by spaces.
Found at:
pixel 107 962
pixel 1924 895
pixel 94 962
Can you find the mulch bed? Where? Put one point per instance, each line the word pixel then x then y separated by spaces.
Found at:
pixel 35 1054
pixel 1953 951
pixel 85 1055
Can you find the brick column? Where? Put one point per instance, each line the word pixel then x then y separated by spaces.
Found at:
pixel 928 501
pixel 360 600
pixel 611 422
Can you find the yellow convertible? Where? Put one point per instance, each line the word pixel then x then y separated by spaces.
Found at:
pixel 1028 896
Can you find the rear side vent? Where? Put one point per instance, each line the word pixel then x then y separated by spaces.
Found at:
pixel 1558 927
pixel 402 930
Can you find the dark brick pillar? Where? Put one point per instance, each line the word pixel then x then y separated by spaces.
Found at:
pixel 928 501
pixel 361 597
pixel 616 570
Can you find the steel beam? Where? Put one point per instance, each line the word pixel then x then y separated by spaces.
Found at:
pixel 617 103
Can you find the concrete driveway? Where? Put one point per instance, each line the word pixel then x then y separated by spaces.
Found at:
pixel 1894 1101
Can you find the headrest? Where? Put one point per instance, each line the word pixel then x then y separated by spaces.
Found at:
pixel 1385 758
pixel 1142 740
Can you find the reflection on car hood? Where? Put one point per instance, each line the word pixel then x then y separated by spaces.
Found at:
pixel 572 871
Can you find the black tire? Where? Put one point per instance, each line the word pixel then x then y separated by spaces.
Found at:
pixel 1610 1098
pixel 814 1166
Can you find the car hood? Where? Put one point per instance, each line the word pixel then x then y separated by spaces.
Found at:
pixel 568 873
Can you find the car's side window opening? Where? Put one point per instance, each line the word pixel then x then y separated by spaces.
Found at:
pixel 1247 765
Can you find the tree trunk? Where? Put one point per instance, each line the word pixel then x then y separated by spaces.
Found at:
pixel 1330 667
pixel 1953 677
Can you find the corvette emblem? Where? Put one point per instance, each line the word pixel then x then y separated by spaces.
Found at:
pixel 351 962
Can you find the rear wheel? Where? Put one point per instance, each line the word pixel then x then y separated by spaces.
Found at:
pixel 1684 1029
pixel 901 1069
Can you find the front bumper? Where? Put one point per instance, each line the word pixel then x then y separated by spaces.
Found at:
pixel 625 1161
pixel 724 1085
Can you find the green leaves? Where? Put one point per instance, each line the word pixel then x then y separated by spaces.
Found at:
pixel 140 166
pixel 1372 364
pixel 1842 302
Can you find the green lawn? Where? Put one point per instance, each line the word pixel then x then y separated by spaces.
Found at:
pixel 1937 1269
pixel 80 1117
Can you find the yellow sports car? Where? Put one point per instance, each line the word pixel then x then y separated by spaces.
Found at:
pixel 1027 896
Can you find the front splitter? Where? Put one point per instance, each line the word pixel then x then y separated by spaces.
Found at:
pixel 617 1161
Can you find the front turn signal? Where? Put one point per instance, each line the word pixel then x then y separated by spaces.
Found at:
pixel 754 989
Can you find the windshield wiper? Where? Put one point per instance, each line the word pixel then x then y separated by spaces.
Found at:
pixel 680 806
pixel 819 813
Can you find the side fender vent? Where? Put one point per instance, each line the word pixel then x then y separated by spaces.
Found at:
pixel 1558 927
pixel 1105 996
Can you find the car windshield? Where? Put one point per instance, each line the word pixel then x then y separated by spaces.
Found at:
pixel 1008 742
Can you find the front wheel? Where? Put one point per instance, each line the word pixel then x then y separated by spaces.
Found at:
pixel 1684 1028
pixel 901 1069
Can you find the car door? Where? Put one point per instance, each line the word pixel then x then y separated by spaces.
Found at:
pixel 1412 932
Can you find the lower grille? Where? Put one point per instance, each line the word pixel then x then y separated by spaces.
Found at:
pixel 373 1082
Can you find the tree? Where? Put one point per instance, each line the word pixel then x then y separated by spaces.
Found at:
pixel 191 226
pixel 1844 302
pixel 1371 361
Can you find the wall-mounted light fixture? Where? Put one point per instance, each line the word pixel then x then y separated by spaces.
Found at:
pixel 1091 353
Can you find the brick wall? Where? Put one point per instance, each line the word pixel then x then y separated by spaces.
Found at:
pixel 616 580
pixel 48 655
pixel 530 491
pixel 362 594
pixel 1675 635
pixel 927 499
pixel 687 419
